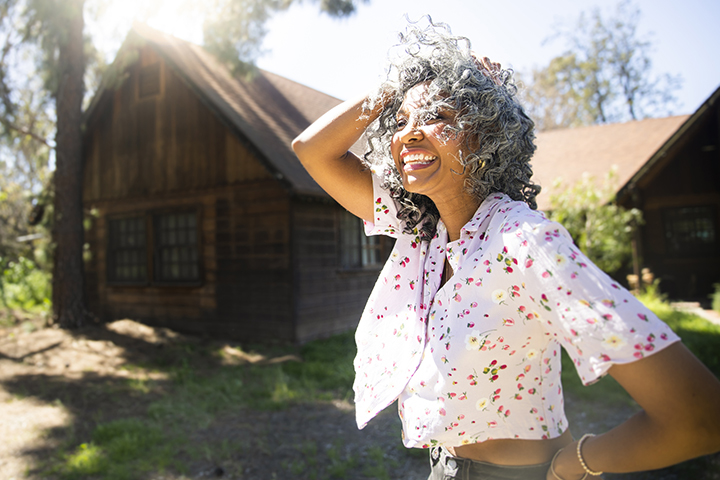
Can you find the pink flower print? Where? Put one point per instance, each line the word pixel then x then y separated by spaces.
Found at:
pixel 457 286
pixel 463 396
pixel 520 387
pixel 638 355
pixel 604 358
pixel 529 261
pixel 642 316
pixel 663 336
pixel 492 424
pixel 451 395
pixel 397 287
pixel 518 397
pixel 591 321
pixel 412 284
pixel 546 274
pixel 508 322
pixel 473 305
pixel 532 391
pixel 608 303
pixel 471 324
pixel 607 317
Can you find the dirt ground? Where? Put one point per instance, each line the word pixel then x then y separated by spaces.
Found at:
pixel 56 385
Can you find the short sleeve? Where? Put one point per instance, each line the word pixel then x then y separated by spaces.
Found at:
pixel 385 221
pixel 596 320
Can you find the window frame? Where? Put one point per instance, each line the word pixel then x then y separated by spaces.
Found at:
pixel 150 220
pixel 360 245
pixel 673 217
pixel 112 248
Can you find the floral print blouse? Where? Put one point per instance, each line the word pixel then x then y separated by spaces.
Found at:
pixel 479 357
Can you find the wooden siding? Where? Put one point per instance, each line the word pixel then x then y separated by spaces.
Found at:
pixel 254 292
pixel 689 176
pixel 162 143
pixel 328 300
pixel 245 286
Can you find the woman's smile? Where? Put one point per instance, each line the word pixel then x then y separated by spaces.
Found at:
pixel 416 160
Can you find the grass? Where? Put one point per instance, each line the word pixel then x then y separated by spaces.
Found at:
pixel 199 391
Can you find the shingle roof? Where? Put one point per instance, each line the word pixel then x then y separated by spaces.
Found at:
pixel 266 111
pixel 569 153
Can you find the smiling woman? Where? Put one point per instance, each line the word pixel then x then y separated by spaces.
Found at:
pixel 466 331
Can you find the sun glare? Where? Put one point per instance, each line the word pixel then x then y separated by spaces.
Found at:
pixel 112 21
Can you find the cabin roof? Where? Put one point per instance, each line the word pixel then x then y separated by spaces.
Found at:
pixel 266 110
pixel 569 153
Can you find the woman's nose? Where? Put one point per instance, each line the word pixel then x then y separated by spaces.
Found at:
pixel 410 133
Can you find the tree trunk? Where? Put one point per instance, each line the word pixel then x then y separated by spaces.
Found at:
pixel 68 284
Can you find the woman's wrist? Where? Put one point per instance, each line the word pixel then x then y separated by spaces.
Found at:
pixel 565 464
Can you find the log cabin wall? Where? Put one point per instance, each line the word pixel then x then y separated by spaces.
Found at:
pixel 152 147
pixel 681 208
pixel 329 299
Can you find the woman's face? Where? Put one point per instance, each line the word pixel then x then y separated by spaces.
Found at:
pixel 424 154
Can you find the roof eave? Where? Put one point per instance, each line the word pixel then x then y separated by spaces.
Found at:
pixel 626 190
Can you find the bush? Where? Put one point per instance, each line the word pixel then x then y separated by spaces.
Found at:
pixel 715 297
pixel 24 286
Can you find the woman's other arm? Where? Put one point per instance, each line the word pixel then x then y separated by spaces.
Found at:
pixel 680 418
pixel 323 149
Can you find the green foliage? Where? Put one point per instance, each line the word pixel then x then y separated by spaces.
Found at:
pixel 715 297
pixel 24 286
pixel 605 75
pixel 600 228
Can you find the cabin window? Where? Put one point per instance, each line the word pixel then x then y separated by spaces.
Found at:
pixel 176 247
pixel 149 80
pixel 127 254
pixel 690 231
pixel 358 250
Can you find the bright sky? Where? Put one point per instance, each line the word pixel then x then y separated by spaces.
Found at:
pixel 346 57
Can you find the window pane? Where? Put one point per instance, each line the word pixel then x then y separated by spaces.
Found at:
pixel 176 247
pixel 690 230
pixel 127 250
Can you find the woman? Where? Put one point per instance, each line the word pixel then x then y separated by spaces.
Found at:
pixel 465 323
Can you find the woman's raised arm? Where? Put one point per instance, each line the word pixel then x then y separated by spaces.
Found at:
pixel 680 418
pixel 323 149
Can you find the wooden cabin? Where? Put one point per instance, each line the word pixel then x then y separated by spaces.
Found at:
pixel 667 167
pixel 678 190
pixel 202 219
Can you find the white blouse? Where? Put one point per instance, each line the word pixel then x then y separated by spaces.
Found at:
pixel 479 357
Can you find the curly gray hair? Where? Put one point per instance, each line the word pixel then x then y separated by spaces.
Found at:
pixel 497 133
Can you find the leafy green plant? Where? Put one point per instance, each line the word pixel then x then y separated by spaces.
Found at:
pixel 24 286
pixel 600 228
pixel 715 297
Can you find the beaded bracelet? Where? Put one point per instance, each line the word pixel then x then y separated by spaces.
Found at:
pixel 580 457
pixel 552 467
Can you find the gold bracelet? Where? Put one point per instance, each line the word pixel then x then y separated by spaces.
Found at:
pixel 580 457
pixel 552 467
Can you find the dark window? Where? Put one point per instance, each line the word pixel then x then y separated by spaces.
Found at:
pixel 176 247
pixel 127 253
pixel 358 250
pixel 690 230
pixel 149 80
pixel 172 250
